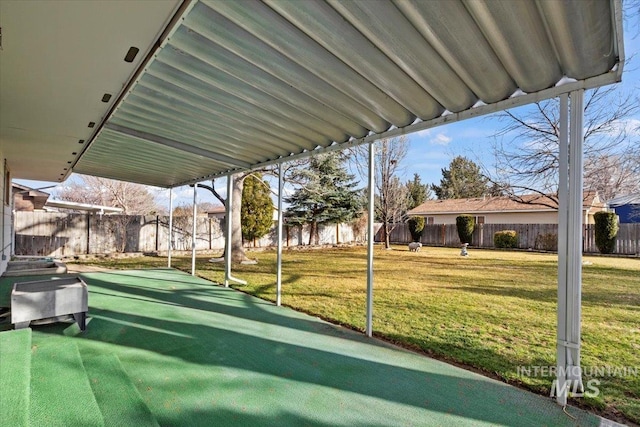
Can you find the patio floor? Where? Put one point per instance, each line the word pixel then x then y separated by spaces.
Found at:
pixel 163 347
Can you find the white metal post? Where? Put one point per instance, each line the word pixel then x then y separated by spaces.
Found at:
pixel 563 227
pixel 169 238
pixel 570 223
pixel 193 231
pixel 574 270
pixel 370 237
pixel 279 262
pixel 227 254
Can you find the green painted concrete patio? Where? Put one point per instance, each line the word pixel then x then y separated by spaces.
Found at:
pixel 165 348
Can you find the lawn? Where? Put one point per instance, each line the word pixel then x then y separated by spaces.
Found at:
pixel 494 311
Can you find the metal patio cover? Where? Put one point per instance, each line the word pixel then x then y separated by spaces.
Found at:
pixel 231 85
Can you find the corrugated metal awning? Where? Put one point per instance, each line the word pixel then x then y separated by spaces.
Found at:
pixel 236 85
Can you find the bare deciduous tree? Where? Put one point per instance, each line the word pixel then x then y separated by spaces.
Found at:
pixel 392 197
pixel 183 225
pixel 526 148
pixel 238 254
pixel 133 199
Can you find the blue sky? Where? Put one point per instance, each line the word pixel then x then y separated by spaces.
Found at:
pixel 432 149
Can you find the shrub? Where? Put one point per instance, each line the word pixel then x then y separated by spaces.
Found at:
pixel 606 229
pixel 547 242
pixel 416 227
pixel 506 239
pixel 465 225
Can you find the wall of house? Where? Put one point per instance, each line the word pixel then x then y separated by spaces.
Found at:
pixel 509 218
pixel 503 218
pixel 522 218
pixel 628 213
pixel 5 216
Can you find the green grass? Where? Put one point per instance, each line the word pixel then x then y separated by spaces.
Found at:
pixel 15 365
pixel 493 311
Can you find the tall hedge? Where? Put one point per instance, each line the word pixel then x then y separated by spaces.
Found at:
pixel 416 227
pixel 257 208
pixel 465 224
pixel 606 228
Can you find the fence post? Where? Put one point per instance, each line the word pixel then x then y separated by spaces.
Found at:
pixel 157 231
pixel 88 232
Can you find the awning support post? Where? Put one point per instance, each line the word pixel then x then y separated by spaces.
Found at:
pixel 370 238
pixel 279 261
pixel 169 237
pixel 570 229
pixel 193 231
pixel 227 253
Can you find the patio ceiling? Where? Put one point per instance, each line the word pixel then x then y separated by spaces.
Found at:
pixel 57 60
pixel 237 85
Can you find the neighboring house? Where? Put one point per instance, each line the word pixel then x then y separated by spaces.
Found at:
pixel 627 208
pixel 502 210
pixel 28 199
pixel 218 212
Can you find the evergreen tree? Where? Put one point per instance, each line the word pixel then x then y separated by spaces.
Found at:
pixel 418 192
pixel 257 208
pixel 416 227
pixel 461 180
pixel 327 195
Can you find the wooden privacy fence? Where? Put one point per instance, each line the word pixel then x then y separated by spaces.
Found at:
pixel 68 234
pixel 534 236
pixel 61 234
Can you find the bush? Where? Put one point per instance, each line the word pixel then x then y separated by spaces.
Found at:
pixel 465 225
pixel 606 229
pixel 547 242
pixel 505 239
pixel 257 208
pixel 416 227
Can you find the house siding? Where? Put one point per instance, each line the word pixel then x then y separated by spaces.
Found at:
pixel 628 213
pixel 501 217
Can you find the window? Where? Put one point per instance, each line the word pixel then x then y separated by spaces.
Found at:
pixel 430 220
pixel 480 219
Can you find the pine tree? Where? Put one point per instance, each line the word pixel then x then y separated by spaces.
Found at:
pixel 463 179
pixel 327 195
pixel 418 192
pixel 257 208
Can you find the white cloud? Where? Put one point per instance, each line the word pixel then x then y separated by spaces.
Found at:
pixel 421 134
pixel 630 127
pixel 440 139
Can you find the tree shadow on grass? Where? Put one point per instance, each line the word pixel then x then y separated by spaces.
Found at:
pixel 589 297
pixel 546 295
